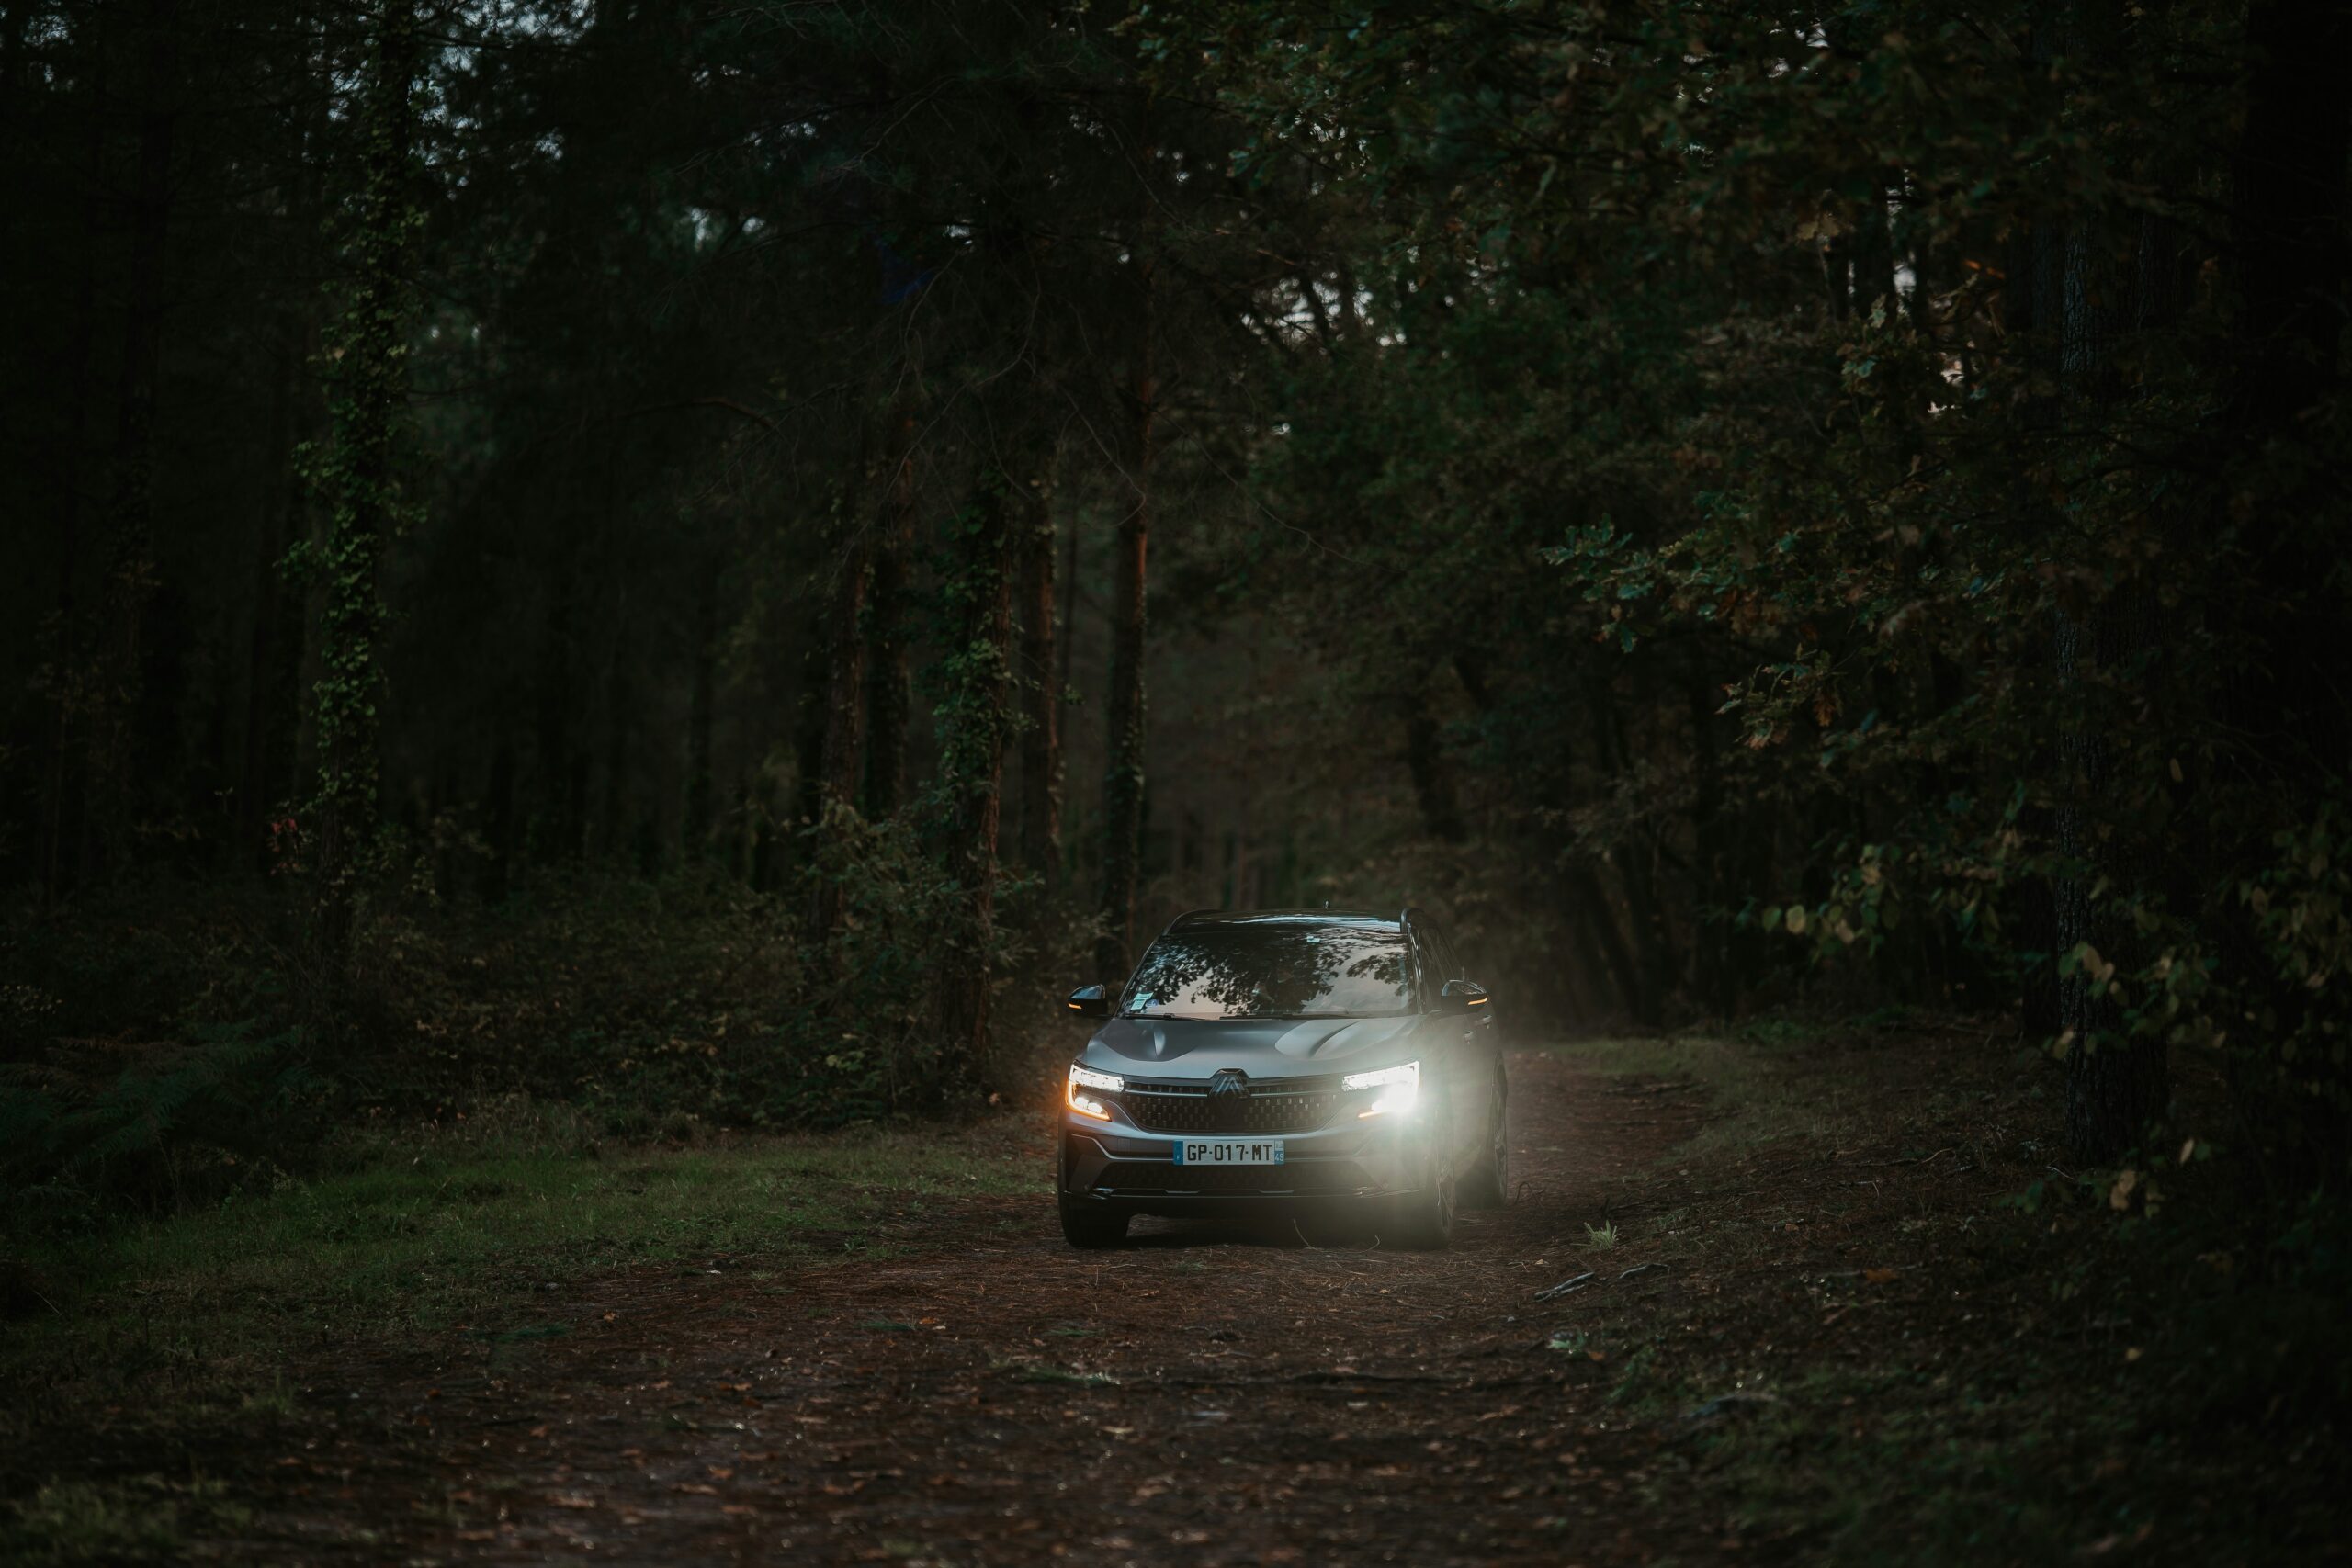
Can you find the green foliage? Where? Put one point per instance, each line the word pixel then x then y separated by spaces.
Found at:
pixel 156 1120
pixel 152 1052
pixel 686 1002
pixel 875 997
pixel 1833 462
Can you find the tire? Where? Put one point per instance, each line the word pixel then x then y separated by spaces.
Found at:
pixel 1423 1220
pixel 1486 1184
pixel 1092 1228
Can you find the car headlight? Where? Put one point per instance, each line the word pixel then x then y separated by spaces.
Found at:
pixel 1400 1087
pixel 1086 1078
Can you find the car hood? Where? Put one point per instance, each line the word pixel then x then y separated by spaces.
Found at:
pixel 1262 1047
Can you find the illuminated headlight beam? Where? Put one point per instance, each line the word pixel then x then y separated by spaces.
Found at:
pixel 1086 1078
pixel 1400 1087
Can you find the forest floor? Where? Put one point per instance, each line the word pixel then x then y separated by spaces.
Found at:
pixel 1825 1316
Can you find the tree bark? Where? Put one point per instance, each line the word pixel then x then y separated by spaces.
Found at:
pixel 2116 1081
pixel 1595 921
pixel 1715 970
pixel 1649 936
pixel 1040 739
pixel 972 726
pixel 1068 642
pixel 267 776
pixel 702 705
pixel 889 703
pixel 130 567
pixel 808 741
pixel 498 822
pixel 370 389
pixel 1434 788
pixel 1123 776
pixel 66 803
pixel 844 638
pixel 2288 255
pixel 271 699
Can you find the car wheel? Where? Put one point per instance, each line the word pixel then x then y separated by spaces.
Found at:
pixel 1486 1184
pixel 1423 1220
pixel 1091 1227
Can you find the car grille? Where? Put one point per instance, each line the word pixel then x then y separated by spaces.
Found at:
pixel 1277 1105
pixel 1305 1179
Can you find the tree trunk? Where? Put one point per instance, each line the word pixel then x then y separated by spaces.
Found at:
pixel 267 776
pixel 1715 971
pixel 887 702
pixel 1433 780
pixel 702 703
pixel 1123 776
pixel 1041 739
pixel 2288 259
pixel 370 386
pixel 972 721
pixel 808 741
pixel 498 822
pixel 2290 255
pixel 1596 923
pixel 130 567
pixel 269 695
pixel 65 806
pixel 1649 936
pixel 1068 620
pixel 844 640
pixel 613 804
pixel 12 54
pixel 2115 1080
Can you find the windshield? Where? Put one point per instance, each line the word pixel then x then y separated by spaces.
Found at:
pixel 1287 970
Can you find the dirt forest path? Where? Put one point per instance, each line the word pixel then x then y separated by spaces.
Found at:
pixel 984 1393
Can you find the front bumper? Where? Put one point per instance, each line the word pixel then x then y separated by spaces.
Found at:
pixel 1120 1166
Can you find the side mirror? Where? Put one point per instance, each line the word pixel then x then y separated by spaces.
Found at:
pixel 1461 996
pixel 1091 1001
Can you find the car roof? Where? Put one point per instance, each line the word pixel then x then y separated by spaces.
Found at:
pixel 1200 919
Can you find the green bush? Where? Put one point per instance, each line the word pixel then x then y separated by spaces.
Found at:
pixel 161 1042
pixel 156 1119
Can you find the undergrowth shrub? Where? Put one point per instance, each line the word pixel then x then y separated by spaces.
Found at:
pixel 154 1119
pixel 161 1043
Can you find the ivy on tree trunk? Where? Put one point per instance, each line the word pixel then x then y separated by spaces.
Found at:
pixel 367 375
pixel 973 719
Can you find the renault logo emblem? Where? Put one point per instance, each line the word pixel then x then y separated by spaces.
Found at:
pixel 1230 1083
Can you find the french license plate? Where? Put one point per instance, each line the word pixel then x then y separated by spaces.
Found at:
pixel 1229 1151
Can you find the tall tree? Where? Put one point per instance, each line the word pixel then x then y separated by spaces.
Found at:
pixel 369 389
pixel 130 567
pixel 846 690
pixel 1122 773
pixel 888 615
pixel 973 717
pixel 1041 690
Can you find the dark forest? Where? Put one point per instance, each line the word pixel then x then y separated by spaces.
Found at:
pixel 607 603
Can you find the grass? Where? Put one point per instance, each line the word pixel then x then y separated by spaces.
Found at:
pixel 2049 1378
pixel 440 1233
pixel 1847 1296
pixel 145 1520
pixel 1756 1095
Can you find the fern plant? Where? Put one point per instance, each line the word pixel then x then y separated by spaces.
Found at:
pixel 136 1118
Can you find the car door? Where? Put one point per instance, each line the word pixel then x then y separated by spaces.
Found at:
pixel 1462 1098
pixel 1471 1051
